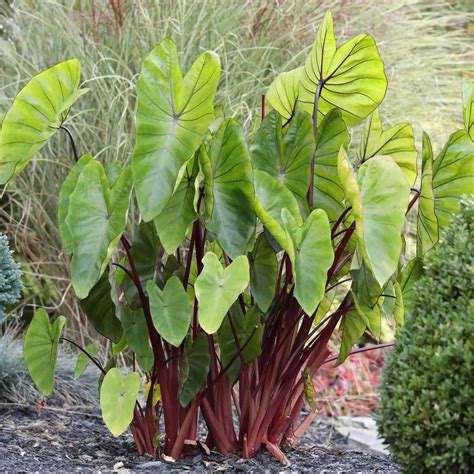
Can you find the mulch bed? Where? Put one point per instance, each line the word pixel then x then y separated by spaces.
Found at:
pixel 54 439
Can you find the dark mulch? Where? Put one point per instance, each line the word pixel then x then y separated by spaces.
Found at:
pixel 52 440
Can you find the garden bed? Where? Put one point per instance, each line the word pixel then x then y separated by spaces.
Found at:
pixel 53 439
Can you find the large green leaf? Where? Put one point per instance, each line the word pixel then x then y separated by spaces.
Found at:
pixel 271 196
pixel 286 153
pixel 37 112
pixel 468 105
pixel 351 77
pixel 228 185
pixel 101 311
pixel 83 361
pixel 328 194
pixel 353 326
pixel 173 116
pixel 263 272
pixel 170 310
pixel 136 335
pixel 118 396
pixel 283 92
pixel 217 288
pixel 248 328
pixel 194 368
pixel 365 286
pixel 311 255
pixel 397 142
pixel 96 219
pixel 453 175
pixel 407 279
pixel 64 197
pixel 174 220
pixel 379 201
pixel 427 222
pixel 41 349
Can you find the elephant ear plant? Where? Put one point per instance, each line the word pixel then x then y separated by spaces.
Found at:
pixel 249 255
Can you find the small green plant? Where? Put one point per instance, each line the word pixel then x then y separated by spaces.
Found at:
pixel 425 412
pixel 10 277
pixel 248 257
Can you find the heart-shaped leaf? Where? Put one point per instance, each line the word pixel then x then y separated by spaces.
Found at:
pixel 328 193
pixel 311 255
pixel 41 349
pixel 217 288
pixel 194 368
pixel 353 326
pixel 36 114
pixel 453 175
pixel 173 116
pixel 283 92
pixel 170 310
pixel 118 396
pixel 379 200
pixel 407 279
pixel 96 218
pixel 397 142
pixel 176 218
pixel 83 361
pixel 427 222
pixel 271 196
pixel 229 191
pixel 263 272
pixel 286 154
pixel 468 105
pixel 351 77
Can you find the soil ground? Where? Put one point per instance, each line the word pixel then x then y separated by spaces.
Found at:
pixel 54 439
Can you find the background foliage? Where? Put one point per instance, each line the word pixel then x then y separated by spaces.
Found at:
pixel 425 411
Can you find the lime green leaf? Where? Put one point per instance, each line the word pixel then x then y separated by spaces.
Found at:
pixel 397 142
pixel 100 309
pixel 407 279
pixel 229 189
pixel 271 196
pixel 379 201
pixel 118 396
pixel 217 288
pixel 194 369
pixel 351 77
pixel 120 346
pixel 283 92
pixel 170 310
pixel 64 197
pixel 353 326
pixel 453 175
pixel 365 286
pixel 373 316
pixel 468 104
pixel 427 222
pixel 41 349
pixel 96 219
pixel 248 328
pixel 312 256
pixel 135 331
pixel 328 194
pixel 175 219
pixel 399 312
pixel 263 272
pixel 173 116
pixel 37 112
pixel 83 361
pixel 286 154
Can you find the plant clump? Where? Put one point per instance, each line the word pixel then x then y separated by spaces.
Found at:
pixel 426 413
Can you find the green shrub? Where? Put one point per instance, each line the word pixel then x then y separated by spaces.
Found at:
pixel 426 413
pixel 10 277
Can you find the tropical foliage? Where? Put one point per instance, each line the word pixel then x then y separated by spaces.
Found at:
pixel 250 254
